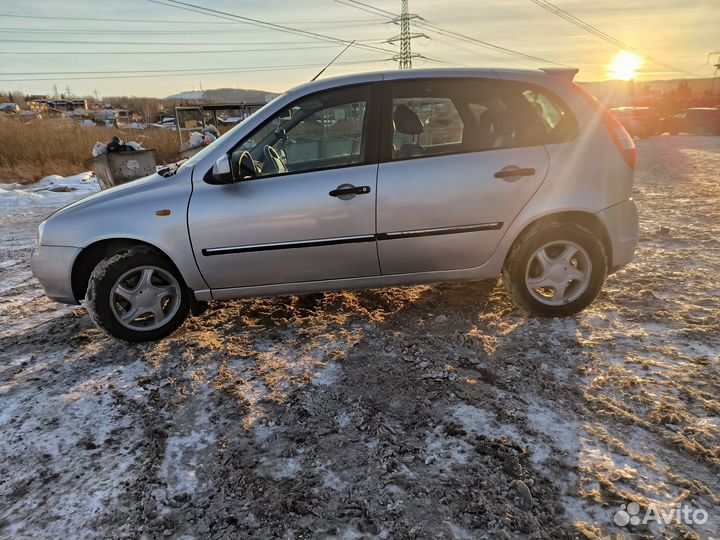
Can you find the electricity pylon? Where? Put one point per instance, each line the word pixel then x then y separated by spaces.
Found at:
pixel 404 58
pixel 717 68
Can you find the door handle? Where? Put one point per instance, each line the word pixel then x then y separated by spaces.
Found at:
pixel 511 171
pixel 348 191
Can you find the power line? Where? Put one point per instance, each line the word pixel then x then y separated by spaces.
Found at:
pixel 469 39
pixel 78 42
pixel 263 24
pixel 459 47
pixel 130 71
pixel 166 21
pixel 552 8
pixel 145 32
pixel 426 25
pixel 185 52
pixel 219 71
pixel 274 26
pixel 367 8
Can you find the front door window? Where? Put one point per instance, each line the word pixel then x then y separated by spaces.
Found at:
pixel 318 132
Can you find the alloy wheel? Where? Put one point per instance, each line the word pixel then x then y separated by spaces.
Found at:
pixel 145 298
pixel 558 273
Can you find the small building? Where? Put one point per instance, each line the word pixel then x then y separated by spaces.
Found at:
pixel 44 103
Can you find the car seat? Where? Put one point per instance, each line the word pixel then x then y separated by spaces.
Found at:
pixel 407 122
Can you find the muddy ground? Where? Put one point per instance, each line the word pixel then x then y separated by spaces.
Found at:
pixel 426 412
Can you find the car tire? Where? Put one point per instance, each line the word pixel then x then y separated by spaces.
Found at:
pixel 554 256
pixel 137 295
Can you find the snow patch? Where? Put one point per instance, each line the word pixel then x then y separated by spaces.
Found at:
pixel 51 191
pixel 279 468
pixel 329 375
pixel 182 468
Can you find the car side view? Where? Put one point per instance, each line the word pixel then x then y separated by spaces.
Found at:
pixel 370 180
pixel 640 122
pixel 699 120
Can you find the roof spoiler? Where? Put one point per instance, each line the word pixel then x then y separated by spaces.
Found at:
pixel 565 73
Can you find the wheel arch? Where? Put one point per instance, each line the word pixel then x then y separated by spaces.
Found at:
pixel 585 219
pixel 92 254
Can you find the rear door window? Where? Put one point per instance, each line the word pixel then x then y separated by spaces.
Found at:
pixel 446 116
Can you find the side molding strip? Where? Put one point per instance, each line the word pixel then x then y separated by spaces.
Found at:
pixel 441 230
pixel 353 239
pixel 288 245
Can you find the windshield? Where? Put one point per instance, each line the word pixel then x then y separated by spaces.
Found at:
pixel 213 145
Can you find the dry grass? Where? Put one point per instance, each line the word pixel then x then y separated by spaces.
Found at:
pixel 30 151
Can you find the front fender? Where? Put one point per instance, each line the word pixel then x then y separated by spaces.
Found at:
pixel 133 213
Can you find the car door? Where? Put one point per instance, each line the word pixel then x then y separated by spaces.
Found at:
pixel 313 221
pixel 459 160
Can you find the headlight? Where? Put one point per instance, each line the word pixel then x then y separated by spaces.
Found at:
pixel 39 233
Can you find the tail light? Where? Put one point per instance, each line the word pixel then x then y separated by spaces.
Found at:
pixel 622 139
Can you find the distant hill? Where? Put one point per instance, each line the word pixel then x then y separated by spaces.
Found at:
pixel 225 95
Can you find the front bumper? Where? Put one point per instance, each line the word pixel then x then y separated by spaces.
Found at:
pixel 621 223
pixel 52 266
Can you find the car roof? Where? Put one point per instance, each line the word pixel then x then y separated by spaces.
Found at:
pixel 412 74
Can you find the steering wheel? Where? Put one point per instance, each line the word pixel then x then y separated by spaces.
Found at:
pixel 247 167
pixel 273 163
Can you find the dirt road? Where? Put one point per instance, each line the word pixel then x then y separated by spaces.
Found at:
pixel 427 412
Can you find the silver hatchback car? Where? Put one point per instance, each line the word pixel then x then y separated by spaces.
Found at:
pixel 370 180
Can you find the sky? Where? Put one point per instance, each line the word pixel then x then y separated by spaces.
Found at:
pixel 144 48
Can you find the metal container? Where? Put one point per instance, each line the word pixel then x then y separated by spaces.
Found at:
pixel 122 167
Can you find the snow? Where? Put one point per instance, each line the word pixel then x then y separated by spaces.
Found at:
pixel 51 192
pixel 188 95
pixel 22 207
pixel 350 406
pixel 329 375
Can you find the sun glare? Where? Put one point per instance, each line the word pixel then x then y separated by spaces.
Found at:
pixel 624 65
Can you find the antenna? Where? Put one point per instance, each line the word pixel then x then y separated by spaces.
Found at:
pixel 333 60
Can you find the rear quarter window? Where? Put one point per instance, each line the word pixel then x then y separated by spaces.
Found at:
pixel 556 117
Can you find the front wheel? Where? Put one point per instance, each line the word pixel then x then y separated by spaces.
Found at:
pixel 137 295
pixel 555 269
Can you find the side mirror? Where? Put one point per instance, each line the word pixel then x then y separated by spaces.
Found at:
pixel 221 172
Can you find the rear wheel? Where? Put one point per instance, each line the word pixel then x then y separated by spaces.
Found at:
pixel 555 269
pixel 137 295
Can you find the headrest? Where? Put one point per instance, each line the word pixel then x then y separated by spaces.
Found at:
pixel 406 121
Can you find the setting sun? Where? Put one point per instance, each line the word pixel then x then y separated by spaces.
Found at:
pixel 624 65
